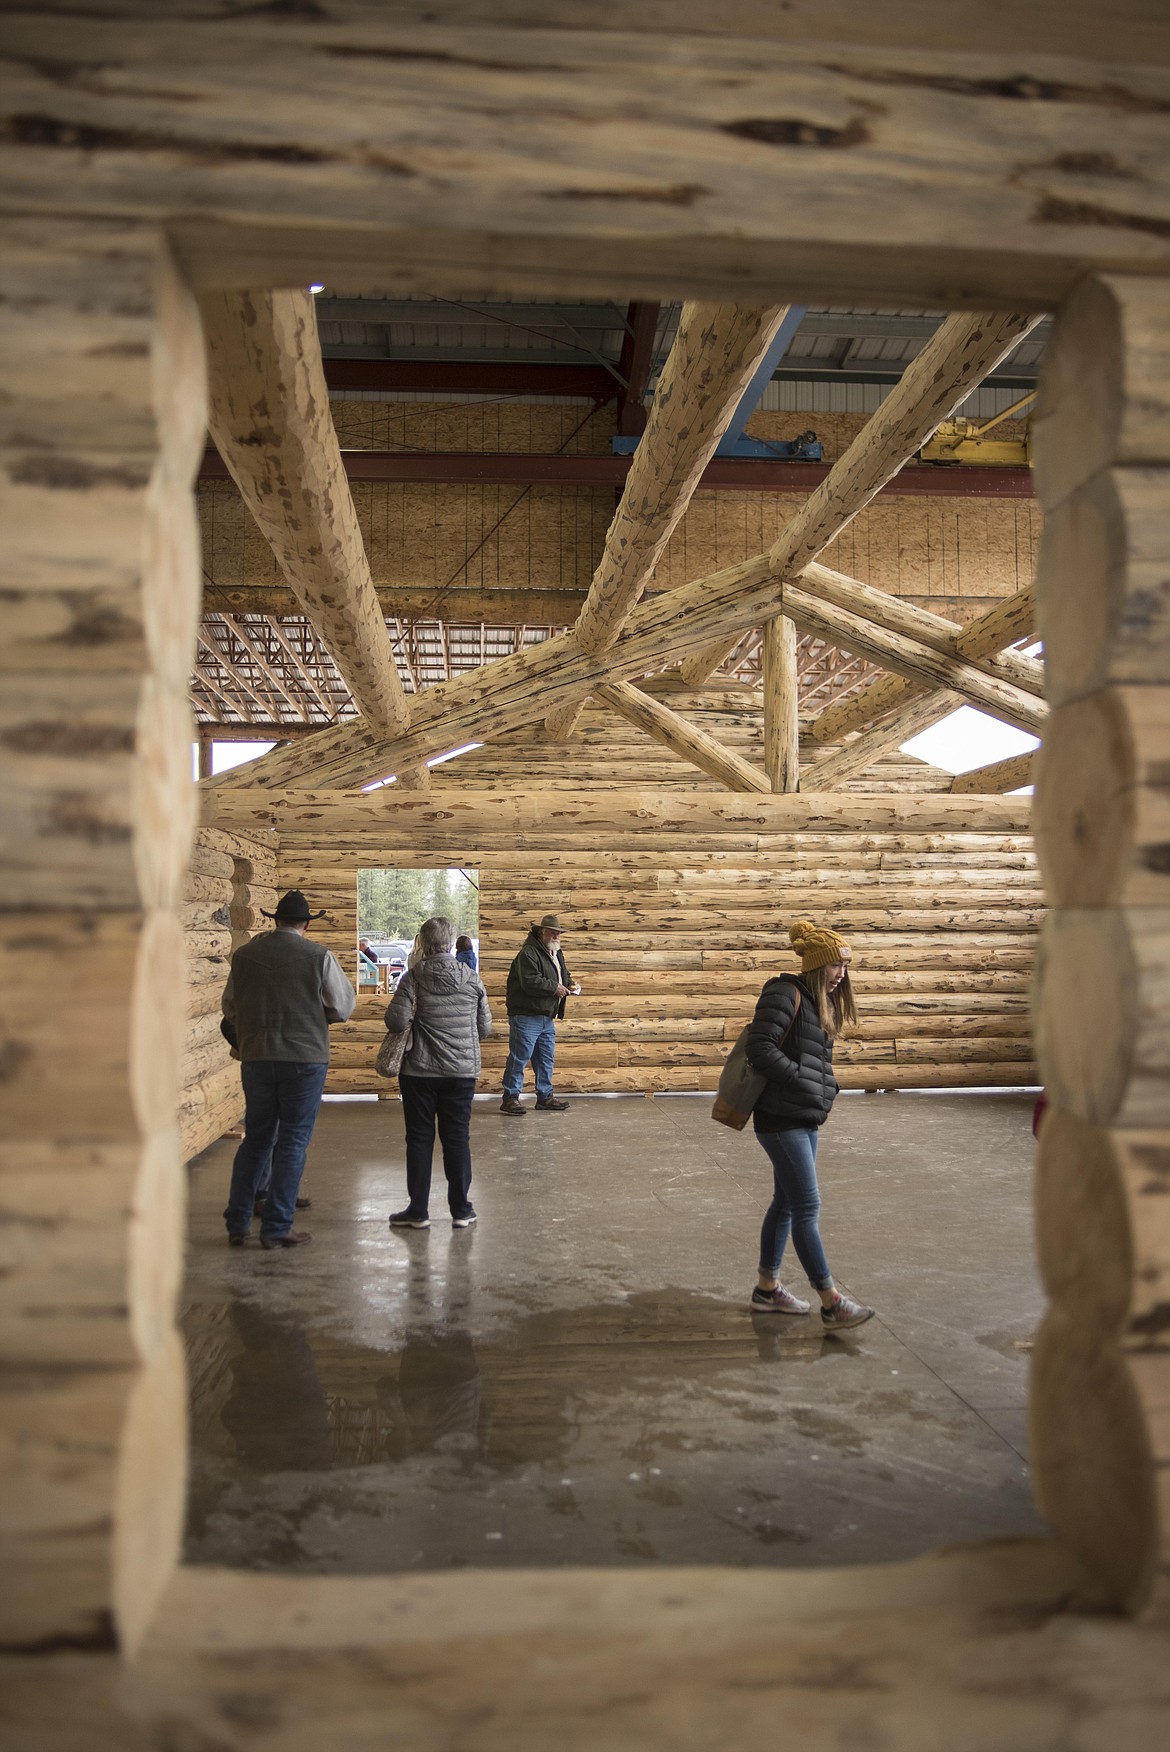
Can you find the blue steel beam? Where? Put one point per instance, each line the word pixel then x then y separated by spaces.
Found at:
pixel 733 442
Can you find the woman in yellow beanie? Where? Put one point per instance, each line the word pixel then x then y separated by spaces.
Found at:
pixel 790 1042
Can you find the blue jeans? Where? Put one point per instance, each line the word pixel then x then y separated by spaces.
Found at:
pixel 281 1098
pixel 795 1205
pixel 447 1101
pixel 535 1038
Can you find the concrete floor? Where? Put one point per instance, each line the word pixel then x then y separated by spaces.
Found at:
pixel 578 1380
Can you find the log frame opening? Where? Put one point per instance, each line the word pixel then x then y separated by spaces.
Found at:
pixel 327 1609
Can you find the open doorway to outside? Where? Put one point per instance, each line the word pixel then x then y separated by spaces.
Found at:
pixel 392 904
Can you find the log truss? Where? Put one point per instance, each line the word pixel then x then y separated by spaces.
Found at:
pixel 274 375
pixel 273 671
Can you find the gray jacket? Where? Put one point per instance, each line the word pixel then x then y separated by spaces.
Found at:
pixel 445 1006
pixel 282 993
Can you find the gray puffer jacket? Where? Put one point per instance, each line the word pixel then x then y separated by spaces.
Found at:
pixel 445 1006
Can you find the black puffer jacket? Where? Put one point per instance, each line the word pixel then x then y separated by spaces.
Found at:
pixel 801 1085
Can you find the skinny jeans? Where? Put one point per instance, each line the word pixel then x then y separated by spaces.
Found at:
pixel 795 1206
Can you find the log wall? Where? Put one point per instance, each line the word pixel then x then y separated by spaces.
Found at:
pixel 101 380
pixel 1103 992
pixel 230 882
pixel 672 933
pixel 1007 165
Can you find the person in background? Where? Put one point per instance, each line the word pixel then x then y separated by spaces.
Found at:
pixel 445 1006
pixel 538 984
pixel 790 1042
pixel 366 954
pixel 465 952
pixel 281 996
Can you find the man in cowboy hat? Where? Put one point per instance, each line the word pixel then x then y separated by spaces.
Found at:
pixel 538 984
pixel 281 995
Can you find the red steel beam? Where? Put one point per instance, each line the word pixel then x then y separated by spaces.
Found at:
pixel 634 365
pixel 731 474
pixel 480 378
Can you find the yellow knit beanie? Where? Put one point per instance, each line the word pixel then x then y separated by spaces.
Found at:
pixel 816 945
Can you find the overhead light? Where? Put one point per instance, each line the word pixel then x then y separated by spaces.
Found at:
pixel 319 287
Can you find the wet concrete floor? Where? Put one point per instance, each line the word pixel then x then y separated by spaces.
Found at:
pixel 578 1380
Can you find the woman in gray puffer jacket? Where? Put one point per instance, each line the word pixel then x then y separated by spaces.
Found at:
pixel 445 1006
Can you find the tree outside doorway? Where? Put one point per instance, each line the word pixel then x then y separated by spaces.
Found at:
pixel 392 904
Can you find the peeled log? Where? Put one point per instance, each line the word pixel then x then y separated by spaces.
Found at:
pixel 957 357
pixel 216 889
pixel 150 1491
pixel 1009 621
pixel 781 706
pixel 63 1265
pixel 1104 395
pixel 258 847
pixel 1102 815
pixel 868 706
pixel 717 350
pixel 208 861
pixel 1103 581
pixel 683 738
pixel 892 615
pixel 270 419
pixel 1103 1013
pixel 95 790
pixel 914 660
pixel 874 744
pixel 118 1035
pixel 997 777
pixel 59 1444
pixel 675 816
pixel 1091 1458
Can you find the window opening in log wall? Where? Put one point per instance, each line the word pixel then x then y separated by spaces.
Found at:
pixel 393 903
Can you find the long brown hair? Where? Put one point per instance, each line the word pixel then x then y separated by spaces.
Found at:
pixel 834 1008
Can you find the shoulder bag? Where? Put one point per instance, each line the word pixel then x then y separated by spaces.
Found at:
pixel 739 1087
pixel 393 1050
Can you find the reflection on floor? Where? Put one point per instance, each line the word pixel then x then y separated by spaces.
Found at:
pixel 579 1381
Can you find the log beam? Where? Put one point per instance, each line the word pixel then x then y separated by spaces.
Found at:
pixel 975 642
pixel 956 359
pixel 875 743
pixel 913 660
pixel 269 416
pixel 525 822
pixel 716 353
pixel 997 776
pixel 515 690
pixel 892 615
pixel 781 705
pixel 686 740
pixel 1010 620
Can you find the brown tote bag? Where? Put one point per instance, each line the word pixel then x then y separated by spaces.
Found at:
pixel 740 1087
pixel 392 1052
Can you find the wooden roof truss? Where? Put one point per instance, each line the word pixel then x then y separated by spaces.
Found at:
pixel 408 694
